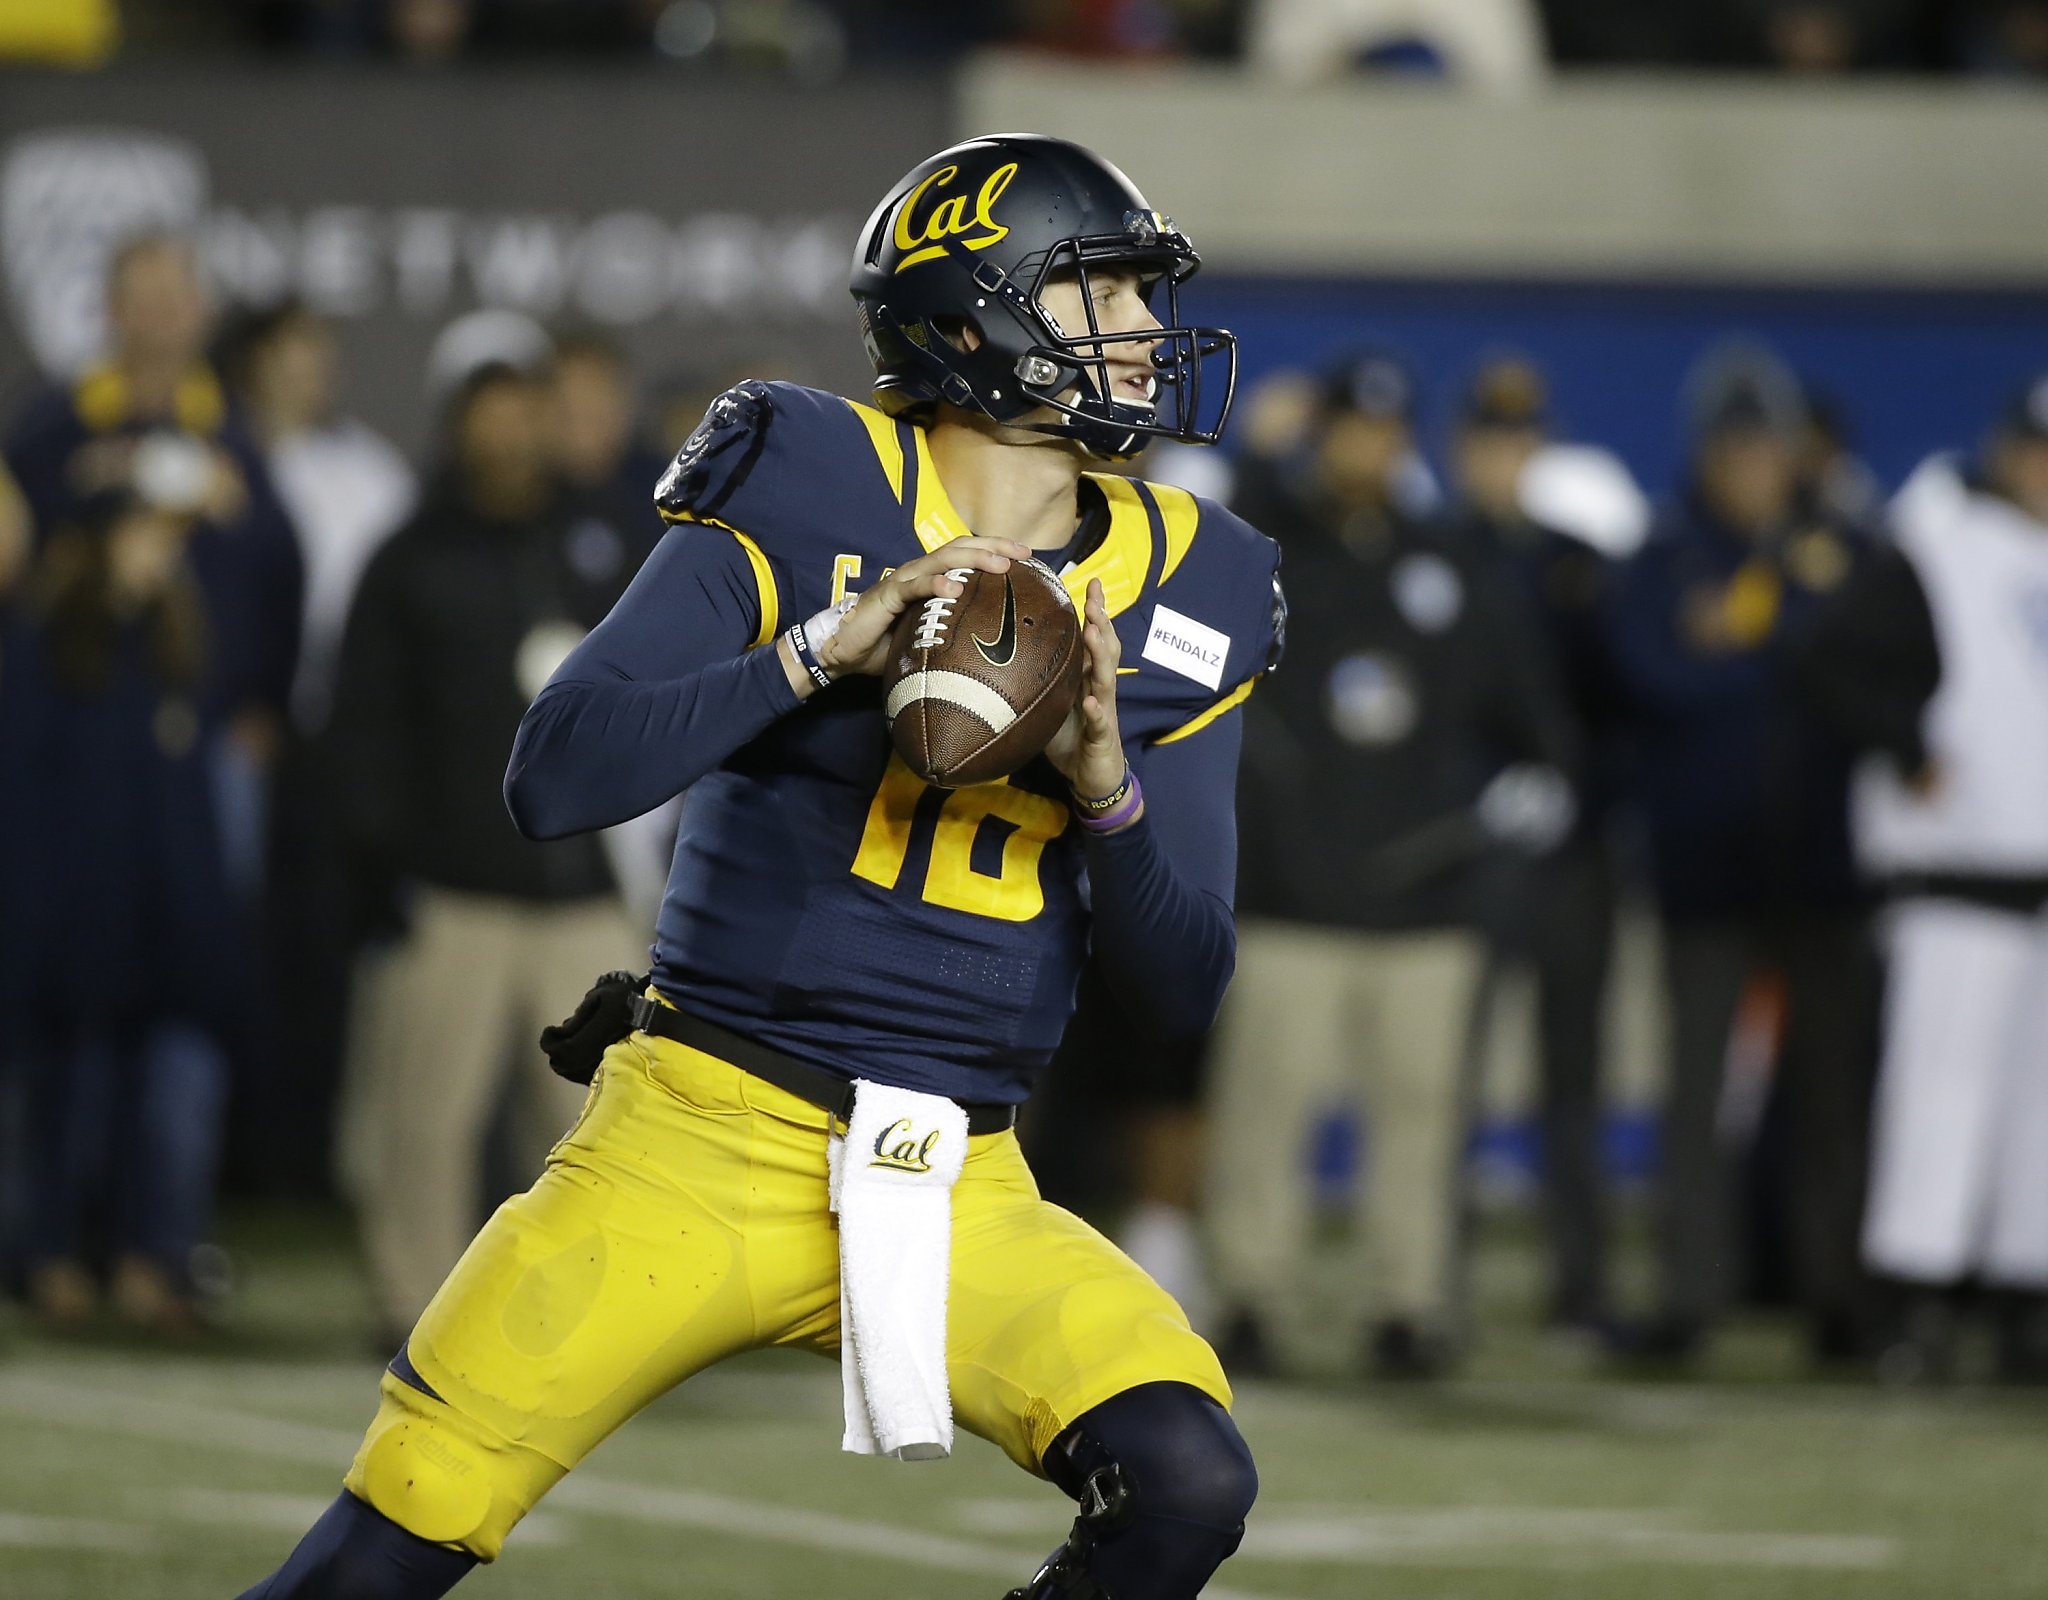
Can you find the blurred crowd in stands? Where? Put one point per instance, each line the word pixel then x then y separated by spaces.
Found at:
pixel 1493 45
pixel 259 675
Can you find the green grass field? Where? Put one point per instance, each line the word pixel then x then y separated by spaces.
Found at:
pixel 128 1473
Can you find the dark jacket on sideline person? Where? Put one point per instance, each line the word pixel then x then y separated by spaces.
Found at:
pixel 1742 784
pixel 112 868
pixel 249 567
pixel 1412 678
pixel 458 622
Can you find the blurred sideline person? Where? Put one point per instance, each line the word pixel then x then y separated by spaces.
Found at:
pixel 1411 682
pixel 347 489
pixel 605 472
pixel 604 467
pixel 152 418
pixel 1959 1183
pixel 459 620
pixel 123 954
pixel 151 424
pixel 1559 916
pixel 1744 788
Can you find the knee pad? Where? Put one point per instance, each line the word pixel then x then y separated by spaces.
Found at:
pixel 427 1480
pixel 1164 1481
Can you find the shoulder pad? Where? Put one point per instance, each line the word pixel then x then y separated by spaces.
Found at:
pixel 789 467
pixel 719 453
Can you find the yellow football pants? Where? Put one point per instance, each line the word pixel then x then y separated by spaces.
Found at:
pixel 684 1219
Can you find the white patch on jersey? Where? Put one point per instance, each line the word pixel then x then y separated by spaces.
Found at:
pixel 1181 644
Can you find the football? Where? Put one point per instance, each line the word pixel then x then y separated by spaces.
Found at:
pixel 977 683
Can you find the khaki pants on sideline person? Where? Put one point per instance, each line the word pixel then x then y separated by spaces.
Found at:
pixel 441 1019
pixel 1317 1016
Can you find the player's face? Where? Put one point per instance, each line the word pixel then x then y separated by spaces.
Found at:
pixel 1115 296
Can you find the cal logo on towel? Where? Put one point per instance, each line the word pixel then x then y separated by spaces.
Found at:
pixel 899 1148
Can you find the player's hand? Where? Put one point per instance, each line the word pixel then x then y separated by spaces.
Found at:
pixel 862 643
pixel 1088 750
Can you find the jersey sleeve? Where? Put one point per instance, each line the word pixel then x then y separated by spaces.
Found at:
pixel 786 470
pixel 671 683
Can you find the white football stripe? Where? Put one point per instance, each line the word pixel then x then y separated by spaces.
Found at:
pixel 957 689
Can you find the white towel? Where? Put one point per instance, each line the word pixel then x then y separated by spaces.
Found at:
pixel 892 1186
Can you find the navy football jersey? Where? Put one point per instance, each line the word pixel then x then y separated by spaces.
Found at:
pixel 825 901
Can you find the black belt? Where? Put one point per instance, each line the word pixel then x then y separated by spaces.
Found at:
pixel 821 1088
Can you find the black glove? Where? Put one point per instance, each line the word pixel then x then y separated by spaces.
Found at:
pixel 604 1016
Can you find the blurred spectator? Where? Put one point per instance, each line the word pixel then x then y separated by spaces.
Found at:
pixel 1744 787
pixel 1814 38
pixel 151 425
pixel 1560 918
pixel 1491 45
pixel 59 33
pixel 1835 484
pixel 426 33
pixel 1117 1121
pixel 125 955
pixel 1957 828
pixel 154 419
pixel 14 532
pixel 1411 730
pixel 344 485
pixel 347 489
pixel 2004 38
pixel 609 475
pixel 458 623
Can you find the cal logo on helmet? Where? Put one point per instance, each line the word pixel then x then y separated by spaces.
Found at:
pixel 952 217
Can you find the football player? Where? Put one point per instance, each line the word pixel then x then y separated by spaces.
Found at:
pixel 831 917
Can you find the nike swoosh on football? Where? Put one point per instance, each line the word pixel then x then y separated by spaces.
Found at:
pixel 1006 636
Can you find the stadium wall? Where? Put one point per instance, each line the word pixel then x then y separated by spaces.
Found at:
pixel 1887 239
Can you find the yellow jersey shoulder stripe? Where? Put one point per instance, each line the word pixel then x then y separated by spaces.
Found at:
pixel 764 575
pixel 1197 723
pixel 1180 514
pixel 888 447
pixel 1125 554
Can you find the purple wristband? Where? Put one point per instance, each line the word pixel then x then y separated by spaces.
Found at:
pixel 1121 815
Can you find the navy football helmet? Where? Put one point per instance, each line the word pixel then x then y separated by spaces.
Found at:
pixel 971 237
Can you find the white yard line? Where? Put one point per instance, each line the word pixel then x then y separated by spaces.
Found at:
pixel 20 1531
pixel 1551 1537
pixel 241 1432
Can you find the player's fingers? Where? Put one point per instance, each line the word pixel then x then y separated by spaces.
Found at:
pixel 1109 648
pixel 919 580
pixel 971 550
pixel 1015 549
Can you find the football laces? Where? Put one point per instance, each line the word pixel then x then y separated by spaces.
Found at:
pixel 937 614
